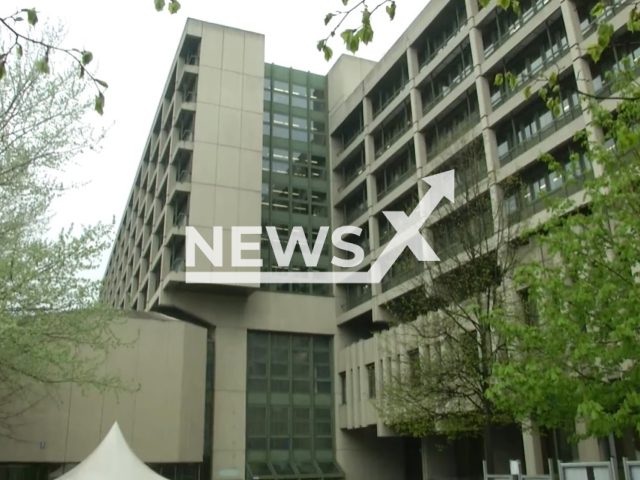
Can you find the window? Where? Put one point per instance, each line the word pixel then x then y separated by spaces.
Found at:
pixel 371 380
pixel 298 122
pixel 279 119
pixel 281 98
pixel 284 423
pixel 299 90
pixel 279 86
pixel 280 132
pixel 300 136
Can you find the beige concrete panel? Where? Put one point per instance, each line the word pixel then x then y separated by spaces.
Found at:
pixel 211 52
pixel 251 137
pixel 121 408
pixel 46 421
pixel 233 50
pixel 153 440
pixel 261 310
pixel 84 424
pixel 253 93
pixel 204 163
pixel 193 393
pixel 193 27
pixel 228 174
pixel 209 85
pixel 227 204
pixel 63 425
pixel 202 263
pixel 251 171
pixel 250 211
pixel 231 89
pixel 230 127
pixel 226 253
pixel 207 123
pixel 202 203
pixel 229 421
pixel 254 54
pixel 225 462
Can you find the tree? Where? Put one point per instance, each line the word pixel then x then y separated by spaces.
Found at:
pixel 450 351
pixel 52 328
pixel 19 27
pixel 579 360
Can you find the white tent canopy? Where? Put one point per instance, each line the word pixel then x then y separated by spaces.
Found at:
pixel 112 460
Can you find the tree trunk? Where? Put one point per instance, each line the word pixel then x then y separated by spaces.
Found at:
pixel 487 441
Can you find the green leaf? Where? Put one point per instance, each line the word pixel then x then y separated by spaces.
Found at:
pixel 99 103
pixel 366 17
pixel 159 4
pixel 82 69
pixel 498 80
pixel 345 2
pixel 32 16
pixel 174 6
pixel 320 45
pixel 366 34
pixel 598 10
pixel 87 57
pixel 543 92
pixel 347 35
pixel 391 10
pixel 504 4
pixel 328 18
pixel 328 53
pixel 483 3
pixel 527 92
pixel 553 78
pixel 556 89
pixel 515 6
pixel 42 66
pixel 19 51
pixel 3 70
pixel 102 83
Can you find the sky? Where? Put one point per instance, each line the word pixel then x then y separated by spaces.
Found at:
pixel 133 47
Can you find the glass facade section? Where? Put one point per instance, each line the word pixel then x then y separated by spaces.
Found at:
pixel 290 414
pixel 295 180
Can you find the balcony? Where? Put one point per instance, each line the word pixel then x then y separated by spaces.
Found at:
pixel 519 22
pixel 457 80
pixel 449 138
pixel 357 298
pixel 392 129
pixel 354 213
pixel 446 26
pixel 394 182
pixel 400 274
pixel 503 93
pixel 558 123
pixel 389 87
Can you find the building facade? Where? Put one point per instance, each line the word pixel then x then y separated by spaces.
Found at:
pixel 288 382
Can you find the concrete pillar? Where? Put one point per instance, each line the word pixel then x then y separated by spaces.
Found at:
pixel 581 69
pixel 534 462
pixel 589 449
pixel 230 398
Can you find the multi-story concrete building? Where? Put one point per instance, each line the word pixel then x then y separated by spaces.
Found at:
pixel 286 385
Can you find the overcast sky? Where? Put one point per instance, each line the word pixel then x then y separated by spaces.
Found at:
pixel 134 46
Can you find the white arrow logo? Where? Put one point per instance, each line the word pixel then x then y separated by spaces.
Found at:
pixel 408 235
